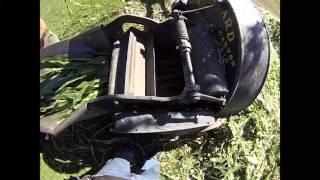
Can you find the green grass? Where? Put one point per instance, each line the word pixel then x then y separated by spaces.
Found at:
pixel 245 147
pixel 47 173
pixel 69 17
pixel 272 6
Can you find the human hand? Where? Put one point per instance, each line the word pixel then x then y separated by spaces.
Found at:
pixel 43 30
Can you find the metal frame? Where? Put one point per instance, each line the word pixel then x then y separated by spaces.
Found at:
pixel 244 81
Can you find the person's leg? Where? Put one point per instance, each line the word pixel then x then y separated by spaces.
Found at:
pixel 151 170
pixel 119 166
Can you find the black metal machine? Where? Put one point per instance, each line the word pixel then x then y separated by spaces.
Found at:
pixel 177 76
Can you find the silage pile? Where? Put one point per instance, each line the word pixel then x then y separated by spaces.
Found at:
pixel 67 85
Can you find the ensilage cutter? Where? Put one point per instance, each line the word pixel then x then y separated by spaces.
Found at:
pixel 178 76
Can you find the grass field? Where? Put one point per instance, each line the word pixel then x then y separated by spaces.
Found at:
pixel 273 6
pixel 245 147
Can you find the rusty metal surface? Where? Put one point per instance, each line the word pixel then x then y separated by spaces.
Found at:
pixel 165 122
pixel 135 77
pixel 150 66
pixel 253 54
pixel 54 126
pixel 113 68
pixel 96 40
pixel 60 48
pixel 206 59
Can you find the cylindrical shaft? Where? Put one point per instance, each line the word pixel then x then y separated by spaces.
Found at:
pixel 185 49
pixel 187 69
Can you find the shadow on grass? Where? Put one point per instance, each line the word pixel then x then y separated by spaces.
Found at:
pixel 249 130
pixel 149 3
pixel 78 147
pixel 90 144
pixel 214 141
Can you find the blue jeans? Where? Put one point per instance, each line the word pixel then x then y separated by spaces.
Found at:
pixel 119 167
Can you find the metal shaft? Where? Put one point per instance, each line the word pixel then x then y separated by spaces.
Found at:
pixel 187 69
pixel 185 49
